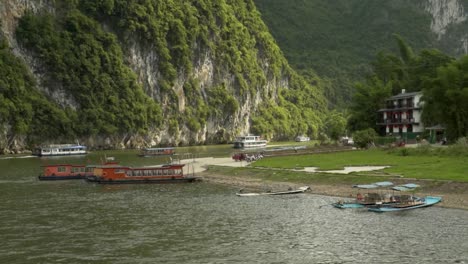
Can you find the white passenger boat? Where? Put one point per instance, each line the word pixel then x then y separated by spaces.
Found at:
pixel 249 141
pixel 302 139
pixel 60 150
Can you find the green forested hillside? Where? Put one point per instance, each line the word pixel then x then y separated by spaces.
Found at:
pixel 22 106
pixel 82 48
pixel 338 39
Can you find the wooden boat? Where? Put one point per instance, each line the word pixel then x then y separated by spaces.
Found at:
pixel 298 190
pixel 116 174
pixel 368 199
pixel 60 150
pixel 151 152
pixel 348 205
pixel 65 172
pixel 407 205
pixel 249 141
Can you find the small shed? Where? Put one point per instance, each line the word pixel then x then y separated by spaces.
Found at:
pixel 436 133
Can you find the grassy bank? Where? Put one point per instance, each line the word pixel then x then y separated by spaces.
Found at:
pixel 438 175
pixel 453 168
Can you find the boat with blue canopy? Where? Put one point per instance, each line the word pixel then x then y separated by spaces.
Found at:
pixel 405 202
pixel 407 205
pixel 368 199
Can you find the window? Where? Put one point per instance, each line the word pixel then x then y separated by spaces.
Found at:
pixel 62 169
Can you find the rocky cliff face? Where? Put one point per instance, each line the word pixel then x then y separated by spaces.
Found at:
pixel 447 14
pixel 143 60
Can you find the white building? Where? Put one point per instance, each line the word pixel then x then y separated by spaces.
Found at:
pixel 402 115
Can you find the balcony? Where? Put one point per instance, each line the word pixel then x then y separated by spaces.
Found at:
pixel 397 121
pixel 400 105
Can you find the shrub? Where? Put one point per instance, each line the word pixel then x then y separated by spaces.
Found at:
pixel 364 138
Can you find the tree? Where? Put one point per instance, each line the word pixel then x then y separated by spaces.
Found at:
pixel 335 125
pixel 446 99
pixel 367 100
pixel 391 74
pixel 364 138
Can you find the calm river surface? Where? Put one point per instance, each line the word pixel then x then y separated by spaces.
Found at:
pixel 79 222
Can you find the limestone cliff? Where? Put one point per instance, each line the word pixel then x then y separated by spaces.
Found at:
pixel 209 68
pixel 447 14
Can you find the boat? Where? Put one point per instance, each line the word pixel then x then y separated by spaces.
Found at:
pixel 55 172
pixel 302 139
pixel 151 152
pixel 60 150
pixel 368 199
pixel 65 172
pixel 407 205
pixel 298 190
pixel 249 141
pixel 117 174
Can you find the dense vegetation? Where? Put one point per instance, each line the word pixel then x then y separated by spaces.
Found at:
pixel 87 62
pixel 442 79
pixel 338 39
pixel 22 107
pixel 81 52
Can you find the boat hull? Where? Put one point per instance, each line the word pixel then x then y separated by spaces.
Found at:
pixel 242 145
pixel 348 205
pixel 427 201
pixel 300 190
pixel 140 181
pixel 60 178
pixel 60 154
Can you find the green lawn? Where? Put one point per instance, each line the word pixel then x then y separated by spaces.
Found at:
pixel 420 167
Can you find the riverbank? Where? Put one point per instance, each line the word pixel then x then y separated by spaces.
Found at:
pixel 454 194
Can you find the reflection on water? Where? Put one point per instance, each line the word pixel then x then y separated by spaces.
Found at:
pixel 77 222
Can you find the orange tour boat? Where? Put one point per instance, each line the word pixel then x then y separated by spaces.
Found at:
pixel 65 172
pixel 116 174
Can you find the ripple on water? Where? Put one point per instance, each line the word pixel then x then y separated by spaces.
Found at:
pixel 76 222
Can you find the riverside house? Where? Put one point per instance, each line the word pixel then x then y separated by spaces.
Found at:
pixel 402 115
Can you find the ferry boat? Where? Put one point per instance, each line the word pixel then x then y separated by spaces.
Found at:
pixel 249 141
pixel 150 152
pixel 60 150
pixel 116 174
pixel 302 139
pixel 65 172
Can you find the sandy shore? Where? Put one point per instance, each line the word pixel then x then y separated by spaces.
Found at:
pixel 454 194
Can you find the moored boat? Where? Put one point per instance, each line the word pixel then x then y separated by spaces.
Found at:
pixel 116 174
pixel 60 150
pixel 249 141
pixel 406 205
pixel 151 152
pixel 367 199
pixel 65 172
pixel 298 190
pixel 302 139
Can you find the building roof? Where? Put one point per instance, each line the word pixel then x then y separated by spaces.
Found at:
pixel 436 127
pixel 404 95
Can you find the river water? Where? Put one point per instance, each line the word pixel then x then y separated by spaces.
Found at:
pixel 79 222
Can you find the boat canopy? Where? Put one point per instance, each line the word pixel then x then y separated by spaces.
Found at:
pixel 383 184
pixel 373 185
pixel 366 186
pixel 405 187
pixel 410 185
